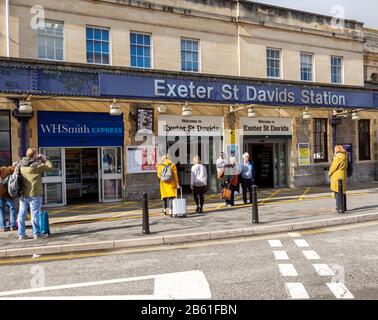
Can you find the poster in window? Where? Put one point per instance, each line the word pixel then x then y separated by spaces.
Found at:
pixel 148 159
pixel 145 120
pixel 304 154
pixel 141 159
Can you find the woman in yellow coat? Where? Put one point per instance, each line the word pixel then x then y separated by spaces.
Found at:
pixel 338 170
pixel 167 174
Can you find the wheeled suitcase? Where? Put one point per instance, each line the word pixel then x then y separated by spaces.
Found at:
pixel 44 222
pixel 179 207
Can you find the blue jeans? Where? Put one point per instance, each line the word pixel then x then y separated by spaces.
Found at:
pixel 34 203
pixel 12 213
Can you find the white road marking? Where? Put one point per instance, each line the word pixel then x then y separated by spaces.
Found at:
pixel 340 291
pixel 180 285
pixel 202 255
pixel 275 243
pixel 281 255
pixel 311 255
pixel 288 270
pixel 294 234
pixel 296 290
pixel 323 270
pixel 301 243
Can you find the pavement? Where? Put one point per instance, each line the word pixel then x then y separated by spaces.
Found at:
pixel 92 227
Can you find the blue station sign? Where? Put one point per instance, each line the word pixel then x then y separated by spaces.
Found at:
pixel 81 81
pixel 143 87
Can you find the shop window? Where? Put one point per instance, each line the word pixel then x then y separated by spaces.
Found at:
pixel 307 67
pixel 189 55
pixel 50 40
pixel 336 69
pixel 364 139
pixel 273 62
pixel 5 139
pixel 320 140
pixel 98 43
pixel 140 50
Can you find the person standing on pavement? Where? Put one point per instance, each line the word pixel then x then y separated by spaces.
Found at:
pixel 6 201
pixel 338 170
pixel 32 168
pixel 220 163
pixel 232 180
pixel 167 174
pixel 247 176
pixel 198 182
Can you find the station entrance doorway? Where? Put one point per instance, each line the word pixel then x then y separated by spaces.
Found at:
pixel 271 161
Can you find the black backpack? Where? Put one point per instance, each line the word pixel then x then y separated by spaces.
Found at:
pixel 350 169
pixel 15 183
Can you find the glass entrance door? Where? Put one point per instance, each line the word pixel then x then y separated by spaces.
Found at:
pixel 111 174
pixel 280 165
pixel 54 181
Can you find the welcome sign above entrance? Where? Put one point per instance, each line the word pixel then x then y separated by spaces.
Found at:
pixel 170 125
pixel 266 126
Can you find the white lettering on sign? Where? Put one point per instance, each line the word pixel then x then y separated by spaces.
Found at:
pixel 78 129
pixel 171 90
pixel 266 126
pixel 232 92
pixel 197 126
pixel 63 128
pixel 325 98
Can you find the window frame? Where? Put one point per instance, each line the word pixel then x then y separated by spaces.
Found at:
pixel 198 53
pixel 151 49
pixel 341 69
pixel 9 131
pixel 54 37
pixel 312 66
pixel 109 45
pixel 323 139
pixel 367 143
pixel 280 63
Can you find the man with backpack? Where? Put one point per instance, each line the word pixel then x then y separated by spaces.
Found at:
pixel 6 200
pixel 31 170
pixel 167 174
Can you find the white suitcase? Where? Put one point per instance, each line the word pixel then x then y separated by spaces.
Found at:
pixel 179 207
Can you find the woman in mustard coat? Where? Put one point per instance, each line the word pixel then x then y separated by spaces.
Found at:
pixel 338 170
pixel 167 174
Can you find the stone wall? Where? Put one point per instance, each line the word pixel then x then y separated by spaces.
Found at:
pixel 139 183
